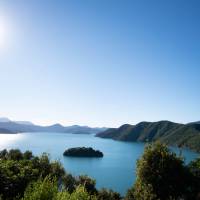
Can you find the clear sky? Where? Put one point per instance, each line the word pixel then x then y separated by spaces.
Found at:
pixel 100 62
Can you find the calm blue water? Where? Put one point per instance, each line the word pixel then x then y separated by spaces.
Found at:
pixel 117 165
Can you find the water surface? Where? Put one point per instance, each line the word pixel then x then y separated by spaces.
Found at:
pixel 116 170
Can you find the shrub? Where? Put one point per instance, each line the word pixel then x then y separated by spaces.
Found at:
pixel 160 174
pixel 88 183
pixel 42 190
pixel 105 194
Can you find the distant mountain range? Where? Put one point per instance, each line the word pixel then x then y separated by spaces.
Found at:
pixel 182 135
pixel 176 134
pixel 9 126
pixel 5 119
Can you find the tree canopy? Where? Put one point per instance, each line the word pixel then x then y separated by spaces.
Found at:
pixel 161 174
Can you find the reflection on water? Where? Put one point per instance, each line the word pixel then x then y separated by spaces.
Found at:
pixel 117 165
pixel 9 140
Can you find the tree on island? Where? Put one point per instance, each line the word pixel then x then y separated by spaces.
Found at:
pixel 83 152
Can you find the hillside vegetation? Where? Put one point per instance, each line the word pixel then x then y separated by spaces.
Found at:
pixel 24 176
pixel 182 135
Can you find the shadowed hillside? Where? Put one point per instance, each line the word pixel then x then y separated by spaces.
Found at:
pixel 183 135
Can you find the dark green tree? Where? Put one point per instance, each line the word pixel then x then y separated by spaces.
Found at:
pixel 160 174
pixel 105 194
pixel 18 169
pixel 28 155
pixel 69 183
pixel 47 189
pixel 3 154
pixel 43 189
pixel 130 194
pixel 88 183
pixel 15 154
pixel 194 167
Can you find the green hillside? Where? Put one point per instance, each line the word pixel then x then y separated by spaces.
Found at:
pixel 182 135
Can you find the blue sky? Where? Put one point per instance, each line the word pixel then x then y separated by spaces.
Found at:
pixel 100 63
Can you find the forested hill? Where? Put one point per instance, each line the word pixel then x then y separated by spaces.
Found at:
pixel 184 135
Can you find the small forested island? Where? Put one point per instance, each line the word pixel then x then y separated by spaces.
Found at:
pixel 83 152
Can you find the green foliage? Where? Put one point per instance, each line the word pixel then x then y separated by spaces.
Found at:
pixel 194 168
pixel 56 169
pixel 42 190
pixel 3 154
pixel 13 154
pixel 69 183
pixel 105 194
pixel 88 183
pixel 63 195
pixel 160 174
pixel 130 194
pixel 17 170
pixel 27 177
pixel 28 155
pixel 47 189
pixel 81 194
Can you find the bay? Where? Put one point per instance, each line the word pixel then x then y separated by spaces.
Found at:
pixel 116 170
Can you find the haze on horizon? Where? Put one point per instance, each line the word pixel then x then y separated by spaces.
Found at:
pixel 99 63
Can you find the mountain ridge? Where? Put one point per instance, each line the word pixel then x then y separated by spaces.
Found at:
pixel 8 126
pixel 171 133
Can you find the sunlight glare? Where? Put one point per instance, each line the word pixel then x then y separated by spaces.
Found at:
pixel 8 140
pixel 2 33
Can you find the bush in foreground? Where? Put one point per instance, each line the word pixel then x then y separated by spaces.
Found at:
pixel 47 189
pixel 162 175
pixel 28 177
